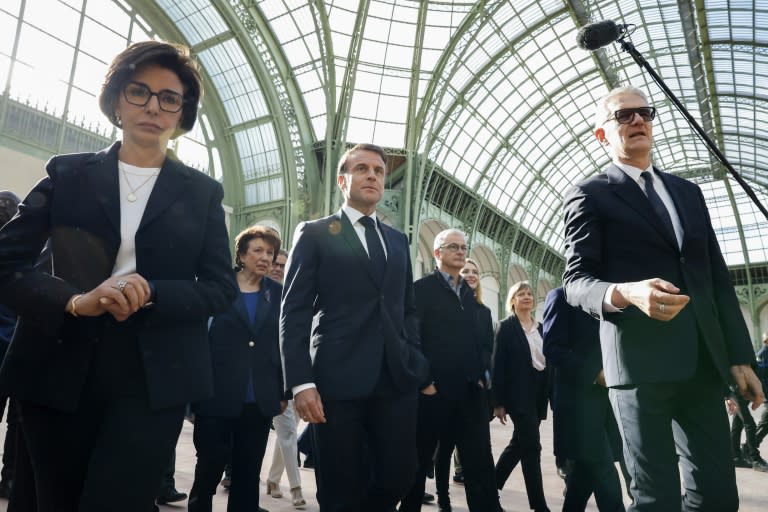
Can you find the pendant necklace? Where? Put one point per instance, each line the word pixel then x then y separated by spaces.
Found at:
pixel 131 196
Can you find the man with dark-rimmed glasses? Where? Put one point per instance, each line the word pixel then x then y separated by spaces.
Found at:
pixel 641 256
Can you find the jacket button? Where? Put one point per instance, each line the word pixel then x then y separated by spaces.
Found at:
pixel 251 344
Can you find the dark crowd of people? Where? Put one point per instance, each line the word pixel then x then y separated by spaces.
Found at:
pixel 122 314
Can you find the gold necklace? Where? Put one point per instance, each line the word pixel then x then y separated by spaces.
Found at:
pixel 131 196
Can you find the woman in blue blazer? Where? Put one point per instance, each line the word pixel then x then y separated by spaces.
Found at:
pixel 520 388
pixel 112 344
pixel 247 380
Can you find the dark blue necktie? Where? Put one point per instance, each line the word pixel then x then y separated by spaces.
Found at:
pixel 658 205
pixel 375 250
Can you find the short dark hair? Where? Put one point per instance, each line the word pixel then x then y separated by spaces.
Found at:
pixel 9 204
pixel 175 57
pixel 342 168
pixel 243 240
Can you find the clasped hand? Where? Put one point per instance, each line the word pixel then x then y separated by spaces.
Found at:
pixel 119 296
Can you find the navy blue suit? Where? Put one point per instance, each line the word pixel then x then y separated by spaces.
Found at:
pixel 666 378
pixel 244 352
pixel 582 410
pixel 356 339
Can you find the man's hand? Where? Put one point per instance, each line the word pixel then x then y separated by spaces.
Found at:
pixel 500 412
pixel 429 390
pixel 657 298
pixel 308 406
pixel 748 384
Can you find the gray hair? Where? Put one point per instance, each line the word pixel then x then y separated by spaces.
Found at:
pixel 441 236
pixel 601 107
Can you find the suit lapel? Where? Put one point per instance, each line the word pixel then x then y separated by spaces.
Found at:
pixel 389 247
pixel 102 179
pixel 350 236
pixel 171 184
pixel 629 192
pixel 678 198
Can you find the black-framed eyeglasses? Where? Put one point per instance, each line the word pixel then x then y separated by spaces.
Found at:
pixel 627 115
pixel 139 94
pixel 453 247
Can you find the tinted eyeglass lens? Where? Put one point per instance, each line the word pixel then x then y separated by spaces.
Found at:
pixel 139 94
pixel 627 115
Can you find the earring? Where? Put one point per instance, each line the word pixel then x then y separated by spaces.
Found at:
pixel 118 120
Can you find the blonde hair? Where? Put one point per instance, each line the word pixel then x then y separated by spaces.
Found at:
pixel 478 288
pixel 520 285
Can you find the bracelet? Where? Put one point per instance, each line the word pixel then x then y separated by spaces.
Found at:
pixel 74 305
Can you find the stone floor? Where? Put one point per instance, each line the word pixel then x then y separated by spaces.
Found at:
pixel 753 486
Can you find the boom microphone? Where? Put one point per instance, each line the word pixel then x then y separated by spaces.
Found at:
pixel 602 33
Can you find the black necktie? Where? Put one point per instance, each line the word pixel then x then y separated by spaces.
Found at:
pixel 375 250
pixel 658 204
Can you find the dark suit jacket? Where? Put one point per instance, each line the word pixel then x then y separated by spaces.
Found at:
pixel 240 347
pixel 613 236
pixel 181 247
pixel 449 329
pixel 516 384
pixel 572 347
pixel 333 307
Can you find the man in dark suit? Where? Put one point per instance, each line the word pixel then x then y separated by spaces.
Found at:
pixel 572 346
pixel 641 255
pixel 454 408
pixel 350 349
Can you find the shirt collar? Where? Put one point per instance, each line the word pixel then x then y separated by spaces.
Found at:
pixel 449 279
pixel 356 215
pixel 632 171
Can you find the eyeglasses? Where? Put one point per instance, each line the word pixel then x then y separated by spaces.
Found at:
pixel 139 94
pixel 627 115
pixel 278 265
pixel 455 247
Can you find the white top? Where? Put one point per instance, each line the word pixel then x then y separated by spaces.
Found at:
pixel 536 345
pixel 136 184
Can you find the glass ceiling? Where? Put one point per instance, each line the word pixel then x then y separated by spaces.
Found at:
pixel 494 93
pixel 504 98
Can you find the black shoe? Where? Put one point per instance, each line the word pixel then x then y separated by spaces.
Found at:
pixel 309 463
pixel 5 488
pixel 458 478
pixel 444 507
pixel 428 498
pixel 739 462
pixel 263 510
pixel 759 464
pixel 171 496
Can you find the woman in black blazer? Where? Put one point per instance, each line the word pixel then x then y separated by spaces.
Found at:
pixel 112 345
pixel 247 377
pixel 520 388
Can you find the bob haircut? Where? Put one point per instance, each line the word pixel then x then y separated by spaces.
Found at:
pixel 520 285
pixel 175 57
pixel 243 240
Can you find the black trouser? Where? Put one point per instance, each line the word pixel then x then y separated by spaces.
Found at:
pixel 216 438
pixel 168 482
pixel 463 422
pixel 525 448
pixel 743 420
pixel 110 453
pixel 365 454
pixel 675 428
pixel 762 426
